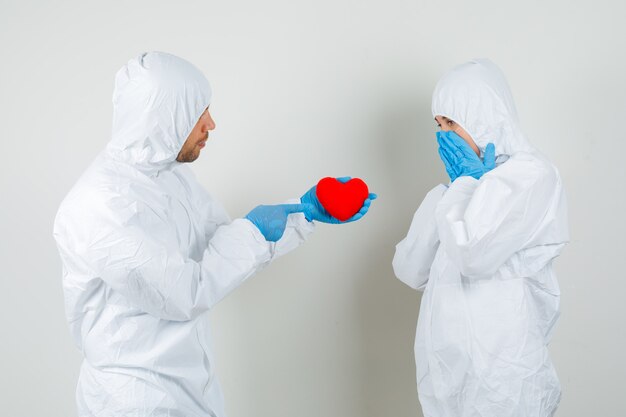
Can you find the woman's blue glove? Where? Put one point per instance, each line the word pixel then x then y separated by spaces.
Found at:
pixel 461 160
pixel 313 209
pixel 272 220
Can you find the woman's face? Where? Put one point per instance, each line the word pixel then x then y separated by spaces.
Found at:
pixel 446 125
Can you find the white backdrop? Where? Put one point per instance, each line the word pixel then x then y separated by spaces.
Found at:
pixel 304 90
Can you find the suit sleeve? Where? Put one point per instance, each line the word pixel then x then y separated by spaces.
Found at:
pixel 416 252
pixel 482 223
pixel 154 275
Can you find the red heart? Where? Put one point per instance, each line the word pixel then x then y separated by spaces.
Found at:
pixel 342 200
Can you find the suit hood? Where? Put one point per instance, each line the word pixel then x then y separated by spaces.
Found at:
pixel 477 96
pixel 157 100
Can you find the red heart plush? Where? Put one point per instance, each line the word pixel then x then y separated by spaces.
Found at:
pixel 342 200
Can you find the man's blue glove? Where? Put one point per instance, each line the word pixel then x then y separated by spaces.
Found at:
pixel 313 209
pixel 272 220
pixel 461 160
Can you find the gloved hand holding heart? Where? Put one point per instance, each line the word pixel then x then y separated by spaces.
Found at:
pixel 337 200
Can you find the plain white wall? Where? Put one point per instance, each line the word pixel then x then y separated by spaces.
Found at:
pixel 304 90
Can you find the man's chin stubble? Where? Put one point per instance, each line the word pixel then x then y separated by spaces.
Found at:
pixel 187 157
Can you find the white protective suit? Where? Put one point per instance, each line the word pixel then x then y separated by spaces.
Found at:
pixel 147 252
pixel 482 252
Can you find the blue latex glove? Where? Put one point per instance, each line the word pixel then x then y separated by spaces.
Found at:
pixel 461 160
pixel 272 220
pixel 315 211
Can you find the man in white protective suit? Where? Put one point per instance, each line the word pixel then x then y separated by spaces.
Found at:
pixel 481 249
pixel 146 252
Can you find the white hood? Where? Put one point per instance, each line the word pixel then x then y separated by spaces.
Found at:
pixel 158 99
pixel 477 96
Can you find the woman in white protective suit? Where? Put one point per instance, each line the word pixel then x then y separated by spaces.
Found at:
pixel 482 249
pixel 147 251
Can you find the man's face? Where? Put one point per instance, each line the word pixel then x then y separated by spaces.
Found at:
pixel 197 138
pixel 446 125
